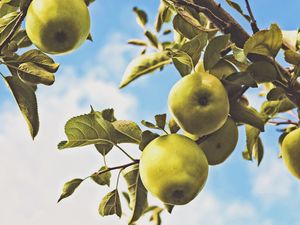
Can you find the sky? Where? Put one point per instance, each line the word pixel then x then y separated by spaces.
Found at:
pixel 32 173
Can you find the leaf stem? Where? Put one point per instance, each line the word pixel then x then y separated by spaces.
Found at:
pixel 129 156
pixel 277 123
pixel 253 20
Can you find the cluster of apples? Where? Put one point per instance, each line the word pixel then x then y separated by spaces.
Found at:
pixel 174 167
pixel 57 26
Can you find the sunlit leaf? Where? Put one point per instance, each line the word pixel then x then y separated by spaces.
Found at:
pixel 111 204
pixel 69 188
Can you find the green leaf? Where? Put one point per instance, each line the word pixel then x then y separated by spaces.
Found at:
pixel 141 16
pixel 152 38
pixel 242 78
pixel 111 204
pixel 161 120
pixel 173 126
pixel 164 15
pixel 34 74
pixel 69 188
pixel 7 26
pixel 238 8
pixel 184 28
pixel 265 42
pixel 213 50
pixel 263 71
pixel 137 42
pixel 147 137
pixel 246 114
pixel 222 69
pixel 148 124
pixel 144 64
pixel 292 57
pixel 276 93
pixel 26 99
pixel 104 148
pixel 183 62
pixel 103 178
pixel 238 54
pixel 109 115
pixel 39 58
pixel 271 108
pixel 88 129
pixel 290 38
pixel 194 47
pixel 252 135
pixel 127 131
pixel 258 151
pixel 137 192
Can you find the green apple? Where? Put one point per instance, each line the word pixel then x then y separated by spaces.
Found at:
pixel 57 26
pixel 220 144
pixel 290 151
pixel 173 168
pixel 199 103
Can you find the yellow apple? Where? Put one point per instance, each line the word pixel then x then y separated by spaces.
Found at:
pixel 57 26
pixel 199 103
pixel 173 168
pixel 290 151
pixel 220 144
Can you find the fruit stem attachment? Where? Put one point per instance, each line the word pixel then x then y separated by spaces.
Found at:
pixel 21 17
pixel 118 167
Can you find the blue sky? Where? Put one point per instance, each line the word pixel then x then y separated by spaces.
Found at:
pixel 32 173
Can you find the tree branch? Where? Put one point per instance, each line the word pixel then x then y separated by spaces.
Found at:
pixel 118 167
pixel 18 23
pixel 253 20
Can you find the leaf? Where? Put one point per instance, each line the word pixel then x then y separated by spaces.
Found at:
pixel 289 38
pixel 152 38
pixel 245 114
pixel 148 124
pixel 161 120
pixel 69 188
pixel 276 93
pixel 109 115
pixel 183 62
pixel 164 15
pixel 103 178
pixel 40 59
pixel 147 137
pixel 141 16
pixel 34 74
pixel 7 26
pixel 238 54
pixel 258 151
pixel 279 106
pixel 194 47
pixel 292 57
pixel 26 99
pixel 137 192
pixel 238 8
pixel 223 69
pixel 104 148
pixel 242 78
pixel 21 39
pixel 213 50
pixel 265 42
pixel 137 42
pixel 173 126
pixel 263 71
pixel 252 135
pixel 144 64
pixel 111 204
pixel 88 129
pixel 127 131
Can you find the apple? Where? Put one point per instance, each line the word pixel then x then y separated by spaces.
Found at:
pixel 219 145
pixel 199 103
pixel 290 151
pixel 57 26
pixel 173 168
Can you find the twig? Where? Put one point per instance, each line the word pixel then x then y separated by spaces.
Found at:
pixel 253 20
pixel 277 123
pixel 118 167
pixel 18 23
pixel 119 147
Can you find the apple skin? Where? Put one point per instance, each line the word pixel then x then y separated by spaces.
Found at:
pixel 57 26
pixel 219 145
pixel 199 103
pixel 173 168
pixel 290 151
